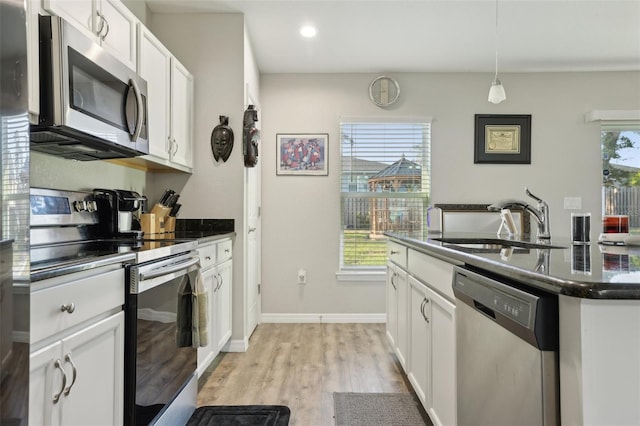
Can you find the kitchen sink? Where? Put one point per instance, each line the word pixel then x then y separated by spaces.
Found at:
pixel 494 243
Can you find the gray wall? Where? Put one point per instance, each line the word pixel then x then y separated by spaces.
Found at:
pixel 302 230
pixel 53 172
pixel 214 49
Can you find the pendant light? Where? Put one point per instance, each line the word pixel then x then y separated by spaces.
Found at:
pixel 496 93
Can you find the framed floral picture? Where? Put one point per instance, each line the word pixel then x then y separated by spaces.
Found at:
pixel 302 154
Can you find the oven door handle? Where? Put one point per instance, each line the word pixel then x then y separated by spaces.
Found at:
pixel 155 273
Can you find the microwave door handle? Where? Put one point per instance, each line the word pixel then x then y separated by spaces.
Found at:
pixel 138 114
pixel 170 269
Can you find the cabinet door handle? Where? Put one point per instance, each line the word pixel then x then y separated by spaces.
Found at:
pixel 103 21
pixel 170 147
pixel 101 25
pixel 68 359
pixel 393 282
pixel 221 282
pixel 69 308
pixel 422 306
pixel 106 33
pixel 217 283
pixel 175 147
pixel 58 365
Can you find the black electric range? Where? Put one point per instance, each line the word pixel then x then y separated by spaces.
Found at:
pixel 50 260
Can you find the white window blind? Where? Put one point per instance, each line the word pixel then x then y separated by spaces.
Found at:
pixel 385 183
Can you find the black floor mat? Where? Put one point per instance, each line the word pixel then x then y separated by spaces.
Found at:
pixel 241 415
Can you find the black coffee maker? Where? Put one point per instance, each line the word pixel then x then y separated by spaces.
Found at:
pixel 118 212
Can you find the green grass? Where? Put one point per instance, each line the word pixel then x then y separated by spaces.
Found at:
pixel 360 250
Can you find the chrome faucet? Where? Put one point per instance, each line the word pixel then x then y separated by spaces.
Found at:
pixel 540 213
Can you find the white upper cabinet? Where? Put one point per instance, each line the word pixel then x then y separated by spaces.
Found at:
pixel 154 65
pixel 170 103
pixel 181 114
pixel 109 22
pixel 33 60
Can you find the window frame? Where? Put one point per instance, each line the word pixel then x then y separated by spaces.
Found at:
pixel 377 272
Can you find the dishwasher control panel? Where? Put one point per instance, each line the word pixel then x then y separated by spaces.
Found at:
pixel 518 310
pixel 494 297
pixel 531 315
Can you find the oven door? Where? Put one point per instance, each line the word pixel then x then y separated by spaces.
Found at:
pixel 156 367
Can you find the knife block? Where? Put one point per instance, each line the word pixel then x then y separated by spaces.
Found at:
pixel 169 224
pixel 152 223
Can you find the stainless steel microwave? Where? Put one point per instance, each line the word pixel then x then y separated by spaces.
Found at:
pixel 92 106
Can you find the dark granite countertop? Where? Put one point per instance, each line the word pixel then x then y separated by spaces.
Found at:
pixel 593 271
pixel 204 230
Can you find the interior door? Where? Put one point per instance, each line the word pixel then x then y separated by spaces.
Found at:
pixel 252 205
pixel 253 247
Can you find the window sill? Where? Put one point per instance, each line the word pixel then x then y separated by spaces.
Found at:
pixel 374 276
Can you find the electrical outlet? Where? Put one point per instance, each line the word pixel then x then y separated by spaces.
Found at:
pixel 302 276
pixel 572 203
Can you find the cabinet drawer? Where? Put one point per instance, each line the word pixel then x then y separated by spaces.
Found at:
pixel 436 273
pixel 397 253
pixel 90 297
pixel 207 255
pixel 224 250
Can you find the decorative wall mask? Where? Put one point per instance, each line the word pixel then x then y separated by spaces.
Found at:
pixel 251 137
pixel 222 140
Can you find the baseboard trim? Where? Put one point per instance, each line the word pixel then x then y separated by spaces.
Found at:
pixel 326 318
pixel 236 345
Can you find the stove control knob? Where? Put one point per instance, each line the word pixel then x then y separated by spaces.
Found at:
pixel 80 206
pixel 92 206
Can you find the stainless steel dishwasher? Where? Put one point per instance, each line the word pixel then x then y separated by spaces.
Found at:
pixel 507 352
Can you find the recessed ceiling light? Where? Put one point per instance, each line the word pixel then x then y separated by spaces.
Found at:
pixel 308 31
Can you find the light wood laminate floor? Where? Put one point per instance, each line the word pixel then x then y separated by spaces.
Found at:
pixel 301 365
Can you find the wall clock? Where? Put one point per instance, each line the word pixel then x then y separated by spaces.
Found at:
pixel 384 91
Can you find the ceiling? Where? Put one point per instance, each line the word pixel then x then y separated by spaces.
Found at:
pixel 434 35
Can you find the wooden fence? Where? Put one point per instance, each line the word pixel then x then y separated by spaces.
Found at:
pixel 624 200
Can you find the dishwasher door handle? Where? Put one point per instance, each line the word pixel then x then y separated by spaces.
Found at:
pixel 484 309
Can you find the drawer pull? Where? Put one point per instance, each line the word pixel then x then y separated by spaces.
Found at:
pixel 68 308
pixel 58 365
pixel 207 258
pixel 394 252
pixel 226 250
pixel 68 359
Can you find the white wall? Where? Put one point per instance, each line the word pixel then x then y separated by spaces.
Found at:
pixel 301 214
pixel 52 172
pixel 212 47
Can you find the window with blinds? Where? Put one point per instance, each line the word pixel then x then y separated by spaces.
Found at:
pixel 384 184
pixel 620 142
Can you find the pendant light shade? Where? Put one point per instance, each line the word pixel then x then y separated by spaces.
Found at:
pixel 496 93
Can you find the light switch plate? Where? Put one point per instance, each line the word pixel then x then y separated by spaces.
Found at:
pixel 572 203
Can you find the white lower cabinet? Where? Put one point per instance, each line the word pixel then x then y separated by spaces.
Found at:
pixel 419 340
pixel 217 266
pixel 423 331
pixel 222 297
pixel 442 402
pixel 78 380
pixel 392 305
pixel 76 367
pixel 397 330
